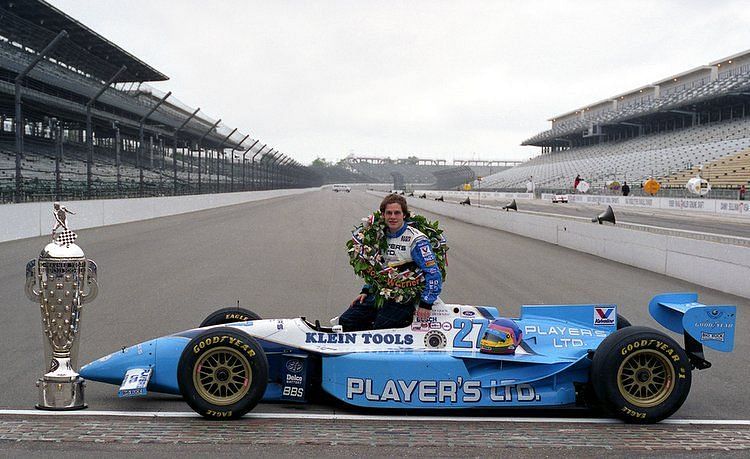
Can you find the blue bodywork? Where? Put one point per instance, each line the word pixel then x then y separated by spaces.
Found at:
pixel 436 364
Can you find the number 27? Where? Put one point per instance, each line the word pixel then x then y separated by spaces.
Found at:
pixel 465 327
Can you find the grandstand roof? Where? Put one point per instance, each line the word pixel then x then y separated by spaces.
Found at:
pixel 45 16
pixel 609 99
pixel 649 86
pixel 682 74
pixel 732 57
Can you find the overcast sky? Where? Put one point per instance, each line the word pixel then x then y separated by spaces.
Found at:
pixel 435 79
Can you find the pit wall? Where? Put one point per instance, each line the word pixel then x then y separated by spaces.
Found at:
pixel 723 267
pixel 19 221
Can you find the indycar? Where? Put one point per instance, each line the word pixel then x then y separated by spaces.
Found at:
pixel 560 198
pixel 552 356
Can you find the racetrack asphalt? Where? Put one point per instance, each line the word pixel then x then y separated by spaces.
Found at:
pixel 285 257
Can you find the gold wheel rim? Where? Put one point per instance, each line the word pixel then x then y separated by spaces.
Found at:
pixel 222 376
pixel 646 378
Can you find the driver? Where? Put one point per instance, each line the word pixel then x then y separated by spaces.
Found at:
pixel 405 245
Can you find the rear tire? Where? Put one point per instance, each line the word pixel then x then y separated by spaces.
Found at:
pixel 222 373
pixel 228 316
pixel 640 375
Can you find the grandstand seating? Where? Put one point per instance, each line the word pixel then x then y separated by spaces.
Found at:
pixel 85 87
pixel 38 170
pixel 654 155
pixel 732 170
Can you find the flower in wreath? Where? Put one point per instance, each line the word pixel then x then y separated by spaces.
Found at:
pixel 399 283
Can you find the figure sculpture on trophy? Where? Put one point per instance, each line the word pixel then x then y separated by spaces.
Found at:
pixel 59 212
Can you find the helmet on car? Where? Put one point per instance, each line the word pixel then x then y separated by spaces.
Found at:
pixel 501 337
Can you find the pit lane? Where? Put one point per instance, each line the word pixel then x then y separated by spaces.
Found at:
pixel 284 258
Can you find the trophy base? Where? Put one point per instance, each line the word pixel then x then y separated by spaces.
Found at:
pixel 61 395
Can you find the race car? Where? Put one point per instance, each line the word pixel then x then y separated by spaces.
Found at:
pixel 562 198
pixel 463 357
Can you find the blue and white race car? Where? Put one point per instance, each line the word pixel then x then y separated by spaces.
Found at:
pixel 463 357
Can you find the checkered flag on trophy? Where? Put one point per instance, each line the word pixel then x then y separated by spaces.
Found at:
pixel 66 238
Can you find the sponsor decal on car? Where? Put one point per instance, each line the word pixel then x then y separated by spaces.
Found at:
pixel 468 313
pixel 358 338
pixel 705 336
pixel 432 323
pixel 604 316
pixel 135 382
pixel 435 339
pixel 563 337
pixel 293 392
pixel 294 366
pixel 443 391
pixel 294 379
pixel 715 314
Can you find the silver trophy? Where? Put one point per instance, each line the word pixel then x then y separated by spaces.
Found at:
pixel 60 281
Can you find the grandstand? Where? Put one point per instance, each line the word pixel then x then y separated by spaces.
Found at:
pixel 428 173
pixel 662 130
pixel 77 120
pixel 449 179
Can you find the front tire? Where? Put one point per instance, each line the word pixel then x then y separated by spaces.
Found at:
pixel 228 316
pixel 222 373
pixel 641 375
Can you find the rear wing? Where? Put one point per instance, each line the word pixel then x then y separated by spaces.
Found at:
pixel 700 324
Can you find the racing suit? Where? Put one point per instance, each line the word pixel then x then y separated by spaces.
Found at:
pixel 407 245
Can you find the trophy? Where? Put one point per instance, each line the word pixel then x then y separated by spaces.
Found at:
pixel 60 281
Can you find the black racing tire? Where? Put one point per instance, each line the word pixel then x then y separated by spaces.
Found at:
pixel 640 375
pixel 622 322
pixel 222 373
pixel 228 316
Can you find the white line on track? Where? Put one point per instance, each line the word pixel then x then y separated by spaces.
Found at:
pixel 364 417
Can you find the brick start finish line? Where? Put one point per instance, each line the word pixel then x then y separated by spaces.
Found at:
pixel 603 437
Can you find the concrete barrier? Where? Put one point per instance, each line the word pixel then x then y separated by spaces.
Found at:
pixel 724 267
pixel 696 205
pixel 19 221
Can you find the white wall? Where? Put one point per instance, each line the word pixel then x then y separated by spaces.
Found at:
pixel 716 206
pixel 18 221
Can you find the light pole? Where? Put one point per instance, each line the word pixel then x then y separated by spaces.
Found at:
pixel 174 151
pixel 90 129
pixel 199 153
pixel 252 166
pixel 141 122
pixel 231 185
pixel 244 157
